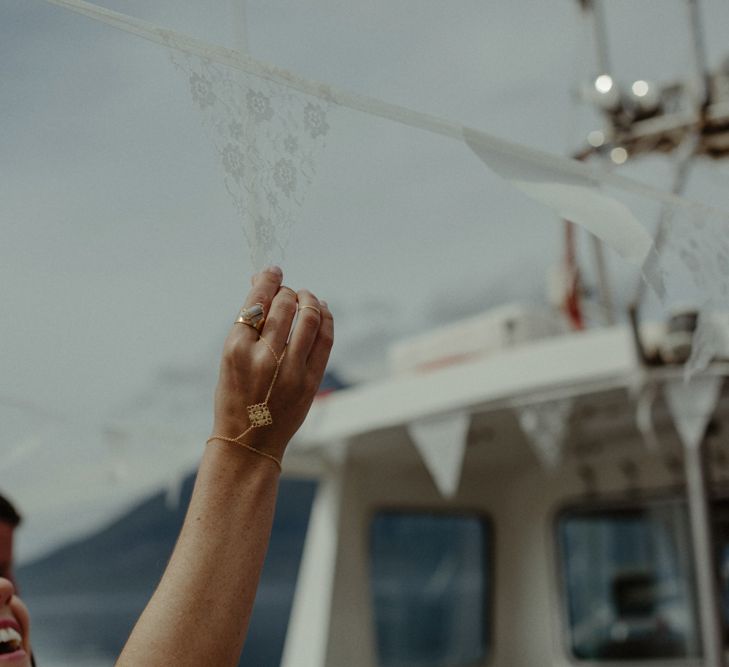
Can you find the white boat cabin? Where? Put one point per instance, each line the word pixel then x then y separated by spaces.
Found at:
pixel 534 504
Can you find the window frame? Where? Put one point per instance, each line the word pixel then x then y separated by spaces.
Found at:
pixel 606 505
pixel 489 566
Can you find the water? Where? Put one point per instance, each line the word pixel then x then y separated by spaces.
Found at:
pixel 84 630
pixel 85 598
pixel 90 629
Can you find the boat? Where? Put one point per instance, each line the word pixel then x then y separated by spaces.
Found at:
pixel 519 488
pixel 536 504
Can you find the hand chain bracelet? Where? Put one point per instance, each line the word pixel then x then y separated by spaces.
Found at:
pixel 258 414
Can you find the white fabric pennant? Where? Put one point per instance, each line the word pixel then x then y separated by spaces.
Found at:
pixel 268 139
pixel 573 193
pixel 692 404
pixel 545 426
pixel 441 442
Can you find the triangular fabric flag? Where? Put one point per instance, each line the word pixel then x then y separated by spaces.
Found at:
pixel 691 405
pixel 571 192
pixel 441 442
pixel 545 426
pixel 268 138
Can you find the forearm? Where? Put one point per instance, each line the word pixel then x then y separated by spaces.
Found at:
pixel 209 586
pixel 270 366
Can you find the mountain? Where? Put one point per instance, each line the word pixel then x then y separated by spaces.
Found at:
pixel 88 593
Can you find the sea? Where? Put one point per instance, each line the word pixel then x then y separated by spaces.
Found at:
pixel 89 630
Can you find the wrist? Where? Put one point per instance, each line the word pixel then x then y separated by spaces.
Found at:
pixel 240 454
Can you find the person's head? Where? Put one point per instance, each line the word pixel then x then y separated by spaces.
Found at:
pixel 14 628
pixel 9 521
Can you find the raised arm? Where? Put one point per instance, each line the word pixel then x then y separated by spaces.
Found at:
pixel 200 611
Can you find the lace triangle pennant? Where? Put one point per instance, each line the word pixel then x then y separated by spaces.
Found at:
pixel 545 426
pixel 692 405
pixel 268 138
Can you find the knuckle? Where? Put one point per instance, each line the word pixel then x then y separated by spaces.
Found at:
pixel 273 322
pixel 306 295
pixel 327 338
pixel 259 296
pixel 309 321
pixel 288 307
pixel 261 358
pixel 311 384
pixel 235 352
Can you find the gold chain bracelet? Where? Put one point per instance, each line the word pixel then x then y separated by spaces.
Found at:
pixel 258 414
pixel 248 447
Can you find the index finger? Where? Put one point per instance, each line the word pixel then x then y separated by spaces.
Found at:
pixel 265 285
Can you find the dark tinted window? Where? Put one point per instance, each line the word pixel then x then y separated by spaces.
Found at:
pixel 430 582
pixel 628 583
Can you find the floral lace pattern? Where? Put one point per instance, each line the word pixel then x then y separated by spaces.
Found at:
pixel 694 254
pixel 545 426
pixel 268 138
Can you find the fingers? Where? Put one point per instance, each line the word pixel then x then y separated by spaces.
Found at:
pixel 307 326
pixel 264 286
pixel 280 318
pixel 311 340
pixel 319 354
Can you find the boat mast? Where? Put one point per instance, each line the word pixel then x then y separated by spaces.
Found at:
pixel 594 12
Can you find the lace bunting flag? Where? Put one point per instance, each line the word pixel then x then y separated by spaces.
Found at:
pixel 695 254
pixel 267 138
pixel 546 427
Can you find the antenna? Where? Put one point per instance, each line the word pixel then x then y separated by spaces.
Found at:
pixel 603 85
pixel 684 119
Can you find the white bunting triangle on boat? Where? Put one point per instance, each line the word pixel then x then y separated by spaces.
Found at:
pixel 441 442
pixel 545 426
pixel 691 405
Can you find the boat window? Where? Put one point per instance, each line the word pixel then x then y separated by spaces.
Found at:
pixel 629 588
pixel 430 584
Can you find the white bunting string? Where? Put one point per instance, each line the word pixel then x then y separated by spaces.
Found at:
pixel 521 155
pixel 695 250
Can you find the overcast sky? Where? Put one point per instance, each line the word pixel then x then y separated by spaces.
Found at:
pixel 122 259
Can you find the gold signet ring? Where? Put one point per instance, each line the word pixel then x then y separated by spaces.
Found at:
pixel 252 316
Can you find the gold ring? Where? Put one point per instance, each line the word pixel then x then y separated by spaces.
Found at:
pixel 310 308
pixel 252 317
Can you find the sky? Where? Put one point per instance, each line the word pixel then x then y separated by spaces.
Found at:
pixel 122 258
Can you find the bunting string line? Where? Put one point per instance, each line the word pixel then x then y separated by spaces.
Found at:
pixel 269 155
pixel 243 62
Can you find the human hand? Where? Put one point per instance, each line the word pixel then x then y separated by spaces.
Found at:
pixel 249 364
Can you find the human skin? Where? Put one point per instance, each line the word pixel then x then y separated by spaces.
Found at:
pixel 13 614
pixel 6 550
pixel 200 612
